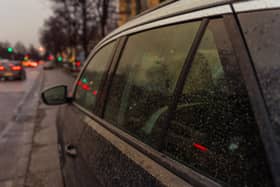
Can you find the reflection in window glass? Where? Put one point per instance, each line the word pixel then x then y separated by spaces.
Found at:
pixel 146 78
pixel 89 83
pixel 262 33
pixel 214 130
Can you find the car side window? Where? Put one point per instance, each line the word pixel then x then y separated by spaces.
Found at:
pixel 89 83
pixel 213 130
pixel 146 77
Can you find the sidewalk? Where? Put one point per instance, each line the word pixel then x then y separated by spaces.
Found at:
pixel 44 167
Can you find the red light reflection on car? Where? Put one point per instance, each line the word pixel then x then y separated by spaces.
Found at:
pixel 94 92
pixel 86 87
pixel 200 147
pixel 16 68
pixel 79 83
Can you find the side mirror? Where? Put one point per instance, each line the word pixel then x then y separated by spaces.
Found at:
pixel 55 96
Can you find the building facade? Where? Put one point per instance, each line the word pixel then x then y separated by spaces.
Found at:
pixel 130 8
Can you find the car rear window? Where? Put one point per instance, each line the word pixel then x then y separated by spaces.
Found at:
pixel 262 33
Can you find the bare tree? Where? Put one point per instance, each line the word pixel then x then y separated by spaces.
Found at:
pixel 77 24
pixel 20 48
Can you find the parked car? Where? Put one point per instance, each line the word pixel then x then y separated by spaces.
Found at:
pixel 11 70
pixel 75 67
pixel 49 65
pixel 187 94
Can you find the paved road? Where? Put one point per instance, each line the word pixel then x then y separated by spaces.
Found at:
pixel 26 141
pixel 18 101
pixel 11 92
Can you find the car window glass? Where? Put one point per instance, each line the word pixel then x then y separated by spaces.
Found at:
pixel 262 33
pixel 146 77
pixel 89 83
pixel 213 130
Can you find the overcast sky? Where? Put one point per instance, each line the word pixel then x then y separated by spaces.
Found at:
pixel 20 20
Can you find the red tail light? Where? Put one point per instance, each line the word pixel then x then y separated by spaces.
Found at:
pixel 2 68
pixel 16 68
pixel 86 87
pixel 200 147
pixel 33 64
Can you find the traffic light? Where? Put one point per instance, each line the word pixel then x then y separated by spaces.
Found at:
pixel 84 80
pixel 59 59
pixel 50 57
pixel 10 50
pixel 26 57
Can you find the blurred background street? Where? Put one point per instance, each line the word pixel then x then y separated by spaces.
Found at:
pixel 44 43
pixel 28 142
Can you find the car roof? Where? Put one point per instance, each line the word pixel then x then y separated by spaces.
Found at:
pixel 178 7
pixel 164 10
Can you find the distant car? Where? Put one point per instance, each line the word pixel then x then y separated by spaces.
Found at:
pixel 75 67
pixel 41 62
pixel 12 70
pixel 30 63
pixel 49 65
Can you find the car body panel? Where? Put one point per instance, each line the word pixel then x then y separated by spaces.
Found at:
pixel 69 133
pixel 256 5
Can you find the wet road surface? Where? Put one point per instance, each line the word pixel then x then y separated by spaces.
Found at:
pixel 25 138
pixel 17 110
pixel 11 92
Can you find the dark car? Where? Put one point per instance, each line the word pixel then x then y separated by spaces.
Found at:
pixel 186 94
pixel 49 65
pixel 12 70
pixel 75 66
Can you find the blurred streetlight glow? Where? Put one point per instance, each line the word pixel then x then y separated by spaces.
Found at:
pixel 41 49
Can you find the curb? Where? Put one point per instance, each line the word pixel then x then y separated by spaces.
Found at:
pixel 37 82
pixel 38 86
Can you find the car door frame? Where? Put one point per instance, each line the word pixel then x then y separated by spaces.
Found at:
pixel 256 96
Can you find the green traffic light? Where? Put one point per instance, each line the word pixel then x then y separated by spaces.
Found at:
pixel 10 50
pixel 59 59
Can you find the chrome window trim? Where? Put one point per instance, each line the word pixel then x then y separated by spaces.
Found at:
pixel 176 7
pixel 214 11
pixel 255 5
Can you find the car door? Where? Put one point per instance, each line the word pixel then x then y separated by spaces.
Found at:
pixel 71 122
